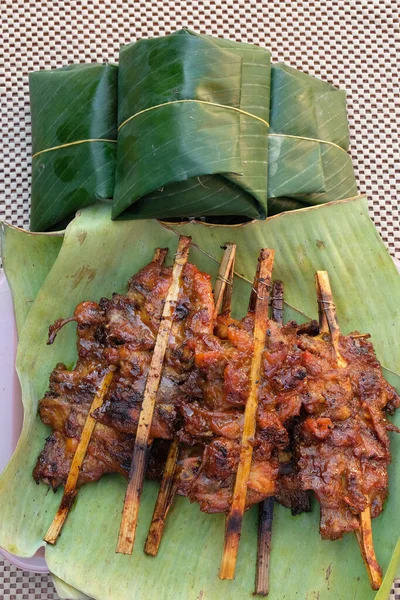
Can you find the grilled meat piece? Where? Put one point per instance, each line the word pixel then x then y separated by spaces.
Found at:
pixel 342 444
pixel 132 326
pixel 65 406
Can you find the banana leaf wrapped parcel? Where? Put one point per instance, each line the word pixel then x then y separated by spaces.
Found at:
pixel 308 142
pixel 74 118
pixel 183 151
pixel 193 122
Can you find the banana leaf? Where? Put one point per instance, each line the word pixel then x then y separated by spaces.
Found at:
pixel 66 591
pixel 308 142
pixel 97 257
pixel 27 259
pixel 211 160
pixel 69 105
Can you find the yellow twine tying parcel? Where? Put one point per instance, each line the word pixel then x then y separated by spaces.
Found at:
pixel 72 144
pixel 234 108
pixel 307 139
pixel 239 110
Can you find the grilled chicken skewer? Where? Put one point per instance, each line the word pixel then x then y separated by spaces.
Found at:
pixel 167 491
pixel 71 489
pixel 260 301
pixel 266 508
pixel 71 485
pixel 126 537
pixel 329 325
pixel 213 419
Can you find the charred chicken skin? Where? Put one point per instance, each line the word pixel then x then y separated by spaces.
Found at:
pixel 337 417
pixel 213 421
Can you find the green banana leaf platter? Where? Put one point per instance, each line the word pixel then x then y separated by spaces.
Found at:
pixel 94 258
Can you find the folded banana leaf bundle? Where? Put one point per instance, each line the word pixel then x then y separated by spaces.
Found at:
pixel 206 128
pixel 308 142
pixel 193 122
pixel 178 157
pixel 74 118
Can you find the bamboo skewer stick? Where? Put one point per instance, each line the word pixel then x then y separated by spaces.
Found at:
pixel 266 515
pixel 277 302
pixel 167 491
pixel 366 544
pixel 327 313
pixel 126 537
pixel 164 501
pixel 330 323
pixel 266 508
pixel 260 299
pixel 159 255
pixel 224 281
pixel 70 489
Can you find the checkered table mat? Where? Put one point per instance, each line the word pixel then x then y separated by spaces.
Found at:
pixel 350 44
pixel 21 585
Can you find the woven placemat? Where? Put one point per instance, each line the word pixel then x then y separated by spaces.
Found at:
pixel 21 585
pixel 350 44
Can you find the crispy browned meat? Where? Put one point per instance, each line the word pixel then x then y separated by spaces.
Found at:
pixel 319 427
pixel 213 421
pixel 342 445
pixel 132 325
pixel 121 331
pixel 65 406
